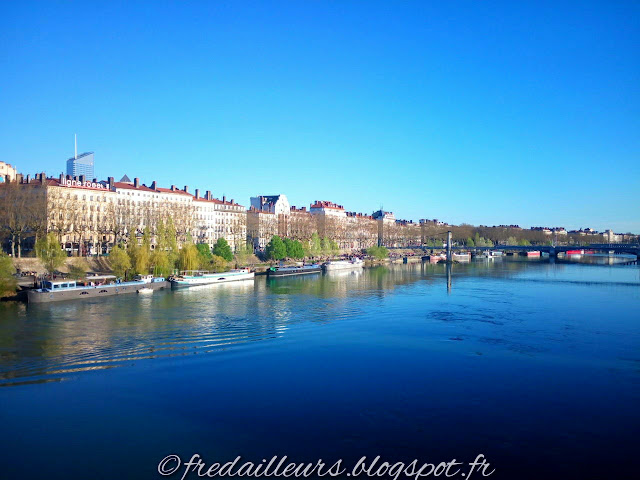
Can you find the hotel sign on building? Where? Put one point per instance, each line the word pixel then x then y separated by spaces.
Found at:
pixel 68 182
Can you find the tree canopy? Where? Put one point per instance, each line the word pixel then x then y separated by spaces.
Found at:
pixel 8 283
pixel 120 261
pixel 294 248
pixel 188 257
pixel 315 245
pixel 204 255
pixel 276 249
pixel 379 253
pixel 218 264
pixel 159 261
pixel 222 249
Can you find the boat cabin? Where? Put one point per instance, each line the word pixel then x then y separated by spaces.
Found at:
pixel 53 286
pixel 144 278
pixel 195 273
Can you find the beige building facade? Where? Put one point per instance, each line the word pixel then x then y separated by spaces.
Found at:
pixel 8 173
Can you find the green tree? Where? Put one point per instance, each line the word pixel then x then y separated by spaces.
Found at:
pixel 478 241
pixel 218 264
pixel 204 255
pixel 159 261
pixel 146 239
pixel 288 245
pixel 8 283
pixel 139 256
pixel 295 250
pixel 315 245
pixel 325 249
pixel 379 253
pixel 524 242
pixel 50 253
pixel 470 242
pixel 512 241
pixel 276 249
pixel 188 257
pixel 334 249
pixel 170 242
pixel 222 249
pixel 120 261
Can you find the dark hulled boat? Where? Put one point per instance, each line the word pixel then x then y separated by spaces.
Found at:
pixel 294 270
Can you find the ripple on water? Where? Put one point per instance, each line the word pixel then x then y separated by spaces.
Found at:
pixel 58 341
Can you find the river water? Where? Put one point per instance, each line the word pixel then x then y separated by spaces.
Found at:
pixel 534 364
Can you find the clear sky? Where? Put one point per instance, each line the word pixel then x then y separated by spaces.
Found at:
pixel 478 112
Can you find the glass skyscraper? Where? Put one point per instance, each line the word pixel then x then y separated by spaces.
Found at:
pixel 82 165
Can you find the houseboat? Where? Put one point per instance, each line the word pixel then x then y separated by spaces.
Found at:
pixel 435 258
pixel 294 270
pixel 461 257
pixel 58 290
pixel 343 265
pixel 490 255
pixel 192 278
pixel 533 253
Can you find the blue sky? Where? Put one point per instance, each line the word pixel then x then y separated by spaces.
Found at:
pixel 478 112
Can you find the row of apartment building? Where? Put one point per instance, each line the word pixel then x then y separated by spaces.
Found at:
pixel 609 235
pixel 90 216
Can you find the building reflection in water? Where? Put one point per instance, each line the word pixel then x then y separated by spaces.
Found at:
pixel 52 341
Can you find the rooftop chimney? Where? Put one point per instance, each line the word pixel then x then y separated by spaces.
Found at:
pixel 136 182
pixel 110 181
pixel 197 193
pixel 208 195
pixel 186 188
pixel 224 199
pixel 173 188
pixel 61 178
pixel 28 179
pixel 153 185
pixel 82 178
pixel 232 201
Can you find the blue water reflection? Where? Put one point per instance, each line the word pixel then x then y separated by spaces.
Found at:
pixel 536 365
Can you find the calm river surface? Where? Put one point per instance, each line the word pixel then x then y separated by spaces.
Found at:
pixel 535 365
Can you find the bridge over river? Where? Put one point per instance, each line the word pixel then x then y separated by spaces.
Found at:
pixel 619 248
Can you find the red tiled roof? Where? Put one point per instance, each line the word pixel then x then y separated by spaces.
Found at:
pixel 168 190
pixel 326 204
pixel 216 201
pixel 130 186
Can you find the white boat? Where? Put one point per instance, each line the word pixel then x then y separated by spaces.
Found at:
pixel 461 257
pixel 490 255
pixel 145 290
pixel 191 278
pixel 343 265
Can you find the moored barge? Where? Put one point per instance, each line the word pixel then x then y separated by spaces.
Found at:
pixel 343 265
pixel 294 270
pixel 192 278
pixel 59 290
